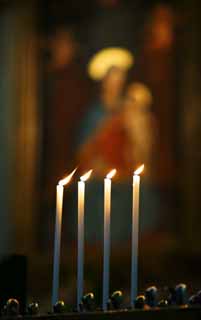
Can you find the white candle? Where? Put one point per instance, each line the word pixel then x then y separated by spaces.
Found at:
pixel 80 252
pixel 57 239
pixel 135 231
pixel 106 244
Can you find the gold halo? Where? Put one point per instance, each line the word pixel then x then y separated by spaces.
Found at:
pixel 102 61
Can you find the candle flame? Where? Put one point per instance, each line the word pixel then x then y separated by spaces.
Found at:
pixel 139 170
pixel 86 175
pixel 111 174
pixel 67 179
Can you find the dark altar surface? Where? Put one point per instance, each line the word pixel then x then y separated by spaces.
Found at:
pixel 184 313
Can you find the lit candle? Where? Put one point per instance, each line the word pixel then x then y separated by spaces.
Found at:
pixel 106 244
pixel 80 253
pixel 135 229
pixel 57 239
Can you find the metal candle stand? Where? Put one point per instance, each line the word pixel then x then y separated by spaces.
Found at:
pixel 146 306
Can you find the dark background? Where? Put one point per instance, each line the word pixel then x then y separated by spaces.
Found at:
pixel 29 165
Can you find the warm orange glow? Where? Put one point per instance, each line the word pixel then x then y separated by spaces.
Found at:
pixel 66 180
pixel 139 170
pixel 86 175
pixel 111 174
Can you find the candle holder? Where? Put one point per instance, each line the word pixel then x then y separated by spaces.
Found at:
pixel 59 307
pixel 12 307
pixel 117 311
pixel 3 311
pixel 33 308
pixel 163 303
pixel 181 294
pixel 116 299
pixel 151 295
pixel 88 302
pixel 193 300
pixel 139 302
pixel 198 295
pixel 178 295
